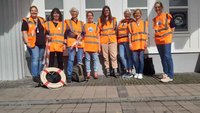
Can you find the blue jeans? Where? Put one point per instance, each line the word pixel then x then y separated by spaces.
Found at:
pixel 166 59
pixel 71 56
pixel 138 59
pixel 37 55
pixel 95 59
pixel 125 55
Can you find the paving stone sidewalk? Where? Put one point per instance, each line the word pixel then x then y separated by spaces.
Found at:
pixel 100 94
pixel 142 96
pixel 180 78
pixel 136 107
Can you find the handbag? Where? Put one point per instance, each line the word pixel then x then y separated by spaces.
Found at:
pixel 148 66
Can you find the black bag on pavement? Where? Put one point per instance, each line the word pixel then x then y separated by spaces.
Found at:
pixel 148 66
pixel 78 73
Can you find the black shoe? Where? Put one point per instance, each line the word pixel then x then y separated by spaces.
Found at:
pixel 40 84
pixel 116 74
pixel 125 74
pixel 69 80
pixel 36 79
pixel 107 72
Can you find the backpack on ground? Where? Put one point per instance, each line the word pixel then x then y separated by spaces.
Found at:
pixel 78 73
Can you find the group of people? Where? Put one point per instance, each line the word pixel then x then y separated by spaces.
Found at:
pixel 130 37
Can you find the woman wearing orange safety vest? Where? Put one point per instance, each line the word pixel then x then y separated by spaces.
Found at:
pixel 33 30
pixel 55 33
pixel 138 41
pixel 91 47
pixel 164 27
pixel 108 25
pixel 123 43
pixel 74 41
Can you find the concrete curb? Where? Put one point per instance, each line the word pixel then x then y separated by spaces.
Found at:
pixel 98 100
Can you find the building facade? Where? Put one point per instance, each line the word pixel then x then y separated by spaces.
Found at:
pixel 185 46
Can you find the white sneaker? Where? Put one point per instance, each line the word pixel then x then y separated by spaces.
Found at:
pixel 133 71
pixel 164 76
pixel 136 75
pixel 166 79
pixel 140 76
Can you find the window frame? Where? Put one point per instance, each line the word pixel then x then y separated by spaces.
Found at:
pixel 188 25
pixel 142 8
pixel 49 10
pixel 93 10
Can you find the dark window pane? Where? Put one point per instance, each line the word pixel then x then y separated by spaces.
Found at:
pixel 50 4
pixel 95 3
pixel 178 2
pixel 180 18
pixel 137 3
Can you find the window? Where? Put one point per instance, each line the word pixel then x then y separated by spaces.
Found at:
pixel 95 6
pixel 50 4
pixel 179 10
pixel 138 4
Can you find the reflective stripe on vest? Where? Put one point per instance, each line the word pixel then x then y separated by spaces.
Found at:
pixel 166 26
pixel 164 35
pixel 133 34
pixel 113 28
pixel 122 29
pixel 29 22
pixel 56 34
pixel 59 41
pixel 138 33
pixel 90 36
pixel 138 40
pixel 32 29
pixel 106 29
pixel 72 28
pixel 108 34
pixel 122 35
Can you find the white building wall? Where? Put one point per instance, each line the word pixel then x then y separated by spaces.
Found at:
pixel 12 58
pixel 185 46
pixel 182 42
pixel 13 65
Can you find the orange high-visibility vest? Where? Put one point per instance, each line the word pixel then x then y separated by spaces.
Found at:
pixel 139 35
pixel 163 32
pixel 91 41
pixel 108 31
pixel 57 36
pixel 31 29
pixel 77 29
pixel 122 31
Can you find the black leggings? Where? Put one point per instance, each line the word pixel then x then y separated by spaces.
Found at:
pixel 59 59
